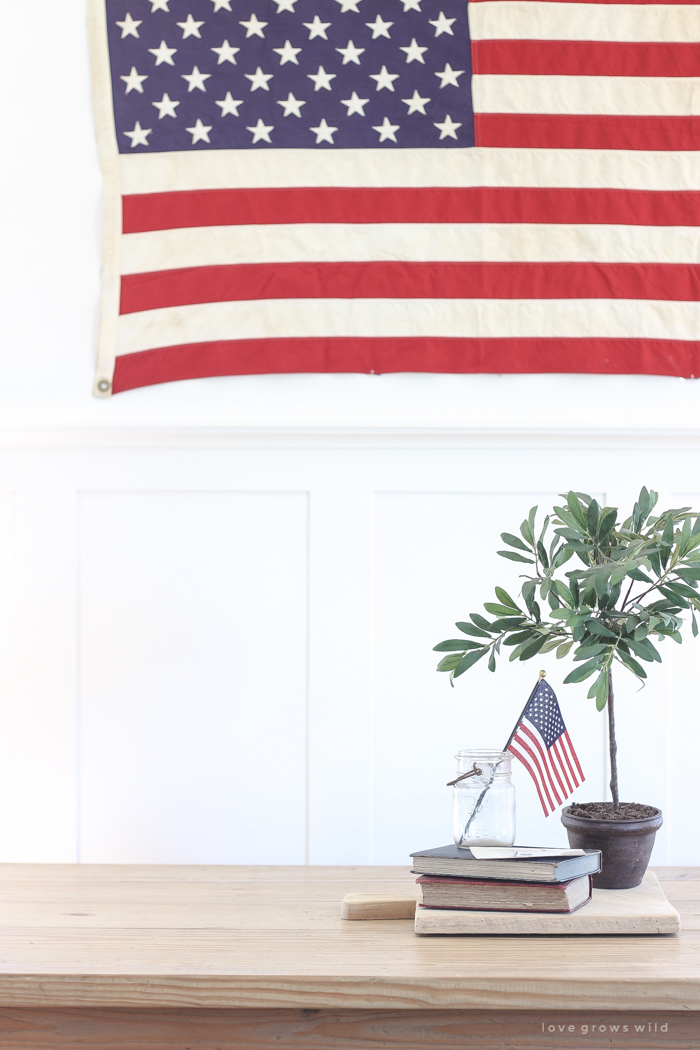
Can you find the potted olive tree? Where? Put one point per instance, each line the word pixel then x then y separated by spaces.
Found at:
pixel 635 580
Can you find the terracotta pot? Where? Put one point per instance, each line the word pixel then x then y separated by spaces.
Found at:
pixel 626 846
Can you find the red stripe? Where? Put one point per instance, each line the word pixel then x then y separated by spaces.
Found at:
pixel 409 280
pixel 545 764
pixel 573 754
pixel 565 753
pixel 564 131
pixel 558 751
pixel 551 757
pixel 524 744
pixel 528 767
pixel 421 354
pixel 579 58
pixel 166 211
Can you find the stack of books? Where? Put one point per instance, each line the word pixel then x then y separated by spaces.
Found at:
pixel 511 879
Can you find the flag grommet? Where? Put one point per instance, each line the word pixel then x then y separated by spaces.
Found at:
pixel 104 386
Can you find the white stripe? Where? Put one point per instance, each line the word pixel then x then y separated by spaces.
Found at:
pixel 624 96
pixel 416 242
pixel 532 20
pixel 536 774
pixel 480 166
pixel 309 318
pixel 548 763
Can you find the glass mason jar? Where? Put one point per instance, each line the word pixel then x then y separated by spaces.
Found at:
pixel 484 804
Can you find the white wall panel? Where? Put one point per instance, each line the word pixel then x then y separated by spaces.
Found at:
pixel 193 624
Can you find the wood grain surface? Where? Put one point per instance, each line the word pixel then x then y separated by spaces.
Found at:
pixel 92 1029
pixel 210 937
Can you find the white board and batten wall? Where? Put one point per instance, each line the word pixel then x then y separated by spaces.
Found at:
pixel 218 598
pixel 216 646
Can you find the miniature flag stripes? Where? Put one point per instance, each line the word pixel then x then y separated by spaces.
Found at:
pixel 541 742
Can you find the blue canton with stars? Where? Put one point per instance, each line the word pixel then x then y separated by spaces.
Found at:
pixel 295 74
pixel 543 712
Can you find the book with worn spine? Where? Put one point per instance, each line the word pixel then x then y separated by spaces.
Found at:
pixel 441 891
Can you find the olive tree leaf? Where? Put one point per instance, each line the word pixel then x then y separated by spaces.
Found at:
pixel 630 662
pixel 452 645
pixel 448 663
pixel 514 541
pixel 468 661
pixel 467 628
pixel 592 518
pixel 498 610
pixel 512 556
pixel 579 674
pixel 506 599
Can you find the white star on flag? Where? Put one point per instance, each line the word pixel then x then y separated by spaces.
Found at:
pixel 411 5
pixel 323 132
pixel 349 5
pixel 414 53
pixel 285 5
pixel 384 79
pixel 379 27
pixel 386 130
pixel 200 132
pixel 190 28
pixel 160 5
pixel 129 26
pixel 416 104
pixel 261 132
pixel 134 81
pixel 226 53
pixel 449 76
pixel 292 105
pixel 351 53
pixel 195 79
pixel 287 53
pixel 317 28
pixel 166 107
pixel 163 53
pixel 448 128
pixel 229 105
pixel 254 27
pixel 321 79
pixel 139 136
pixel 222 5
pixel 355 104
pixel 258 79
pixel 442 24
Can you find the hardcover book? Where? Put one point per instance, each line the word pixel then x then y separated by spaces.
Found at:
pixel 454 860
pixel 496 895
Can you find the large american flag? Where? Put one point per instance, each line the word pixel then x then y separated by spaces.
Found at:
pixel 397 185
pixel 542 743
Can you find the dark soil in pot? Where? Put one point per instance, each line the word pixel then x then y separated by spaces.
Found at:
pixel 625 839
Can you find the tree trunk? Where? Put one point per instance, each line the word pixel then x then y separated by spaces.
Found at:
pixel 613 744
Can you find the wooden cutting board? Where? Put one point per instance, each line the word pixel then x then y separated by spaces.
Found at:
pixel 643 910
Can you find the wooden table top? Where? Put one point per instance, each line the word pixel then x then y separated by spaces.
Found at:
pixel 159 936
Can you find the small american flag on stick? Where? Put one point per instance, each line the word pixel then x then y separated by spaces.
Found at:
pixel 541 742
